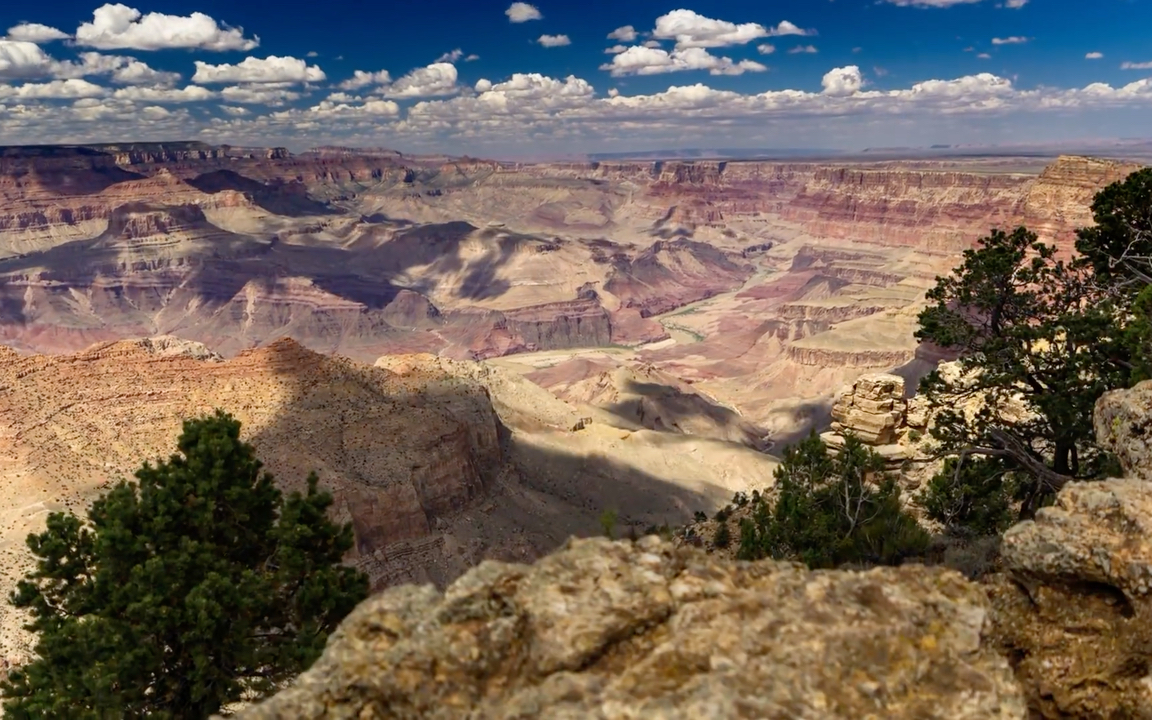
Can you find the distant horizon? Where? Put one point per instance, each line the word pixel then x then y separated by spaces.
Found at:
pixel 1087 145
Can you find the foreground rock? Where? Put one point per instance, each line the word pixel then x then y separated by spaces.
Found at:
pixel 1075 613
pixel 622 630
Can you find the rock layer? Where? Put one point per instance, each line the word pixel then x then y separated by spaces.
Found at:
pixel 619 630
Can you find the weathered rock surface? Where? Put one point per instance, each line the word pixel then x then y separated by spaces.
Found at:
pixel 626 630
pixel 872 408
pixel 1075 611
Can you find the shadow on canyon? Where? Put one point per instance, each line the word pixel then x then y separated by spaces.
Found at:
pixel 514 500
pixel 287 199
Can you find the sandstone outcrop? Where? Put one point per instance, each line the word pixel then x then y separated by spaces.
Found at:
pixel 1074 613
pixel 872 409
pixel 616 630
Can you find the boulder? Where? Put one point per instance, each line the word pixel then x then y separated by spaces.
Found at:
pixel 1075 608
pixel 605 629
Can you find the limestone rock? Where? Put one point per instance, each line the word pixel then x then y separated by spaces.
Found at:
pixel 1076 610
pixel 606 629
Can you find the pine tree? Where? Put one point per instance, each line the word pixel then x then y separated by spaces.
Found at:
pixel 195 586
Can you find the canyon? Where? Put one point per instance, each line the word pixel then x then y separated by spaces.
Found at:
pixel 479 358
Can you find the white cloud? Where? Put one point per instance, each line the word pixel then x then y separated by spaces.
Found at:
pixel 35 33
pixel 765 48
pixel 615 49
pixel 623 34
pixel 22 59
pixel 135 72
pixel 691 29
pixel 274 94
pixel 271 69
pixel 482 85
pixel 55 90
pixel 984 56
pixel 1136 65
pixel 803 49
pixel 309 54
pixel 651 44
pixel 472 58
pixel 116 26
pixel 435 80
pixel 451 56
pixel 191 93
pixel 1094 56
pixel 329 109
pixel 638 60
pixel 361 79
pixel 1013 40
pixel 1015 4
pixel 235 111
pixel 519 12
pixel 550 41
pixel 787 28
pixel 842 81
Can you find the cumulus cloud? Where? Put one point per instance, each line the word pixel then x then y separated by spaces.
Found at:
pixel 435 80
pixel 55 90
pixel 360 79
pixel 550 41
pixel 692 30
pixel 1013 40
pixel 519 12
pixel 624 34
pixel 451 56
pixel 638 60
pixel 191 93
pixel 1094 56
pixel 803 49
pixel 651 43
pixel 765 48
pixel 235 111
pixel 842 81
pixel 615 49
pixel 271 69
pixel 35 33
pixel 273 94
pixel 117 26
pixel 1136 65
pixel 23 59
pixel 123 70
pixel 135 72
pixel 787 28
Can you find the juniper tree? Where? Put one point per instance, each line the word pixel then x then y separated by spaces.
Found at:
pixel 195 586
pixel 1039 341
pixel 831 510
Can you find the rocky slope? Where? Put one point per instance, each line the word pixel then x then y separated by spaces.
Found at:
pixel 629 629
pixel 438 464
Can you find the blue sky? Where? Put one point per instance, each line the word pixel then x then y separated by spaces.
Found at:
pixel 536 78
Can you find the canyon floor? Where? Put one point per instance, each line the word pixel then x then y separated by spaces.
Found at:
pixel 480 358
